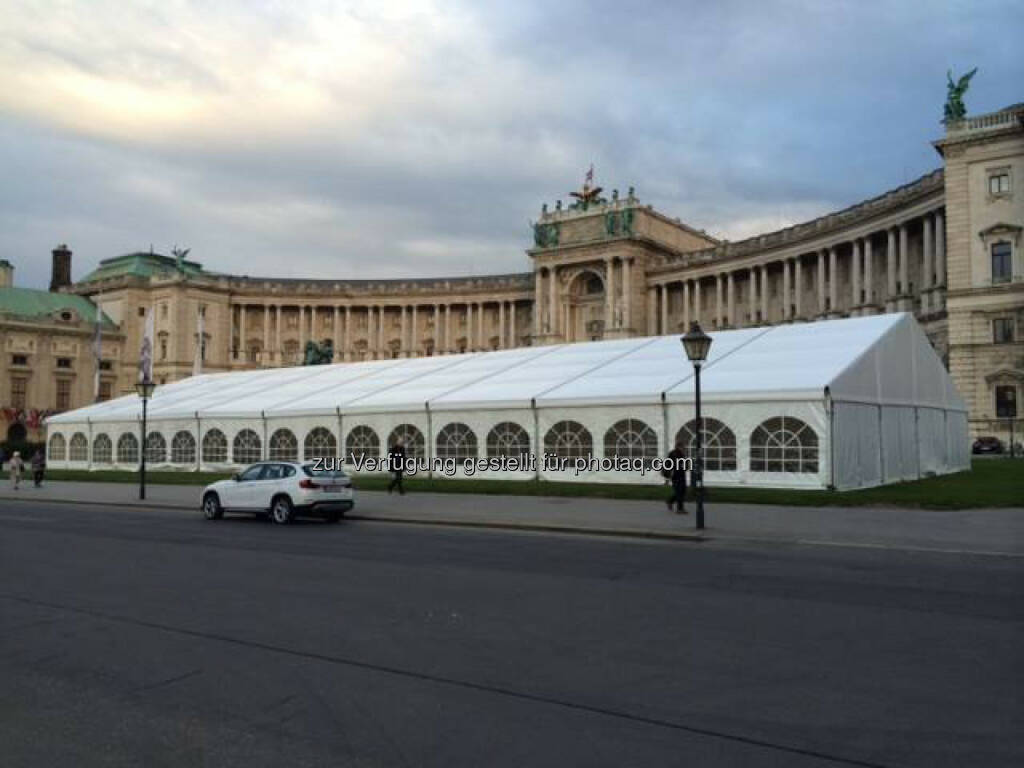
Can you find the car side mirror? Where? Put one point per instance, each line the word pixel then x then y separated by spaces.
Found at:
pixel 237 476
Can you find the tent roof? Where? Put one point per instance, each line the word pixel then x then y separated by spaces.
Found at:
pixel 878 359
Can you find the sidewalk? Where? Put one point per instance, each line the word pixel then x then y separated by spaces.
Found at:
pixel 983 531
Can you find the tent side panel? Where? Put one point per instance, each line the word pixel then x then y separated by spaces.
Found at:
pixel 857 443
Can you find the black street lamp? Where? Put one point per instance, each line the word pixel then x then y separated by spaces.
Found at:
pixel 145 389
pixel 697 344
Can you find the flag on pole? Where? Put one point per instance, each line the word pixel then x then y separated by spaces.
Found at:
pixel 146 350
pixel 97 348
pixel 590 175
pixel 197 362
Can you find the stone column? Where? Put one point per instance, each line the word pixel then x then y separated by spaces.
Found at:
pixel 538 304
pixel 513 341
pixel 553 287
pixel 904 268
pixel 698 308
pixel 663 290
pixel 652 311
pixel 928 269
pixel 403 345
pixel 243 353
pixel 869 273
pixel 686 306
pixel 731 300
pixel 449 347
pixel 627 287
pixel 787 290
pixel 833 280
pixel 798 287
pixel 717 322
pixel 266 335
pixel 752 300
pixel 369 334
pixel 336 333
pixel 382 349
pixel 437 330
pixel 890 270
pixel 609 294
pixel 764 294
pixel 940 252
pixel 348 333
pixel 414 341
pixel 469 327
pixel 855 300
pixel 821 282
pixel 302 328
pixel 277 335
pixel 481 341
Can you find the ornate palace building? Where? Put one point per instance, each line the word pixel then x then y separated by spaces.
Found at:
pixel 946 247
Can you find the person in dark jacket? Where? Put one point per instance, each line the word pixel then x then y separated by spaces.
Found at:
pixel 396 459
pixel 676 474
pixel 38 467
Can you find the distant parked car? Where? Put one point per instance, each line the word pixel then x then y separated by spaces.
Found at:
pixel 283 489
pixel 988 444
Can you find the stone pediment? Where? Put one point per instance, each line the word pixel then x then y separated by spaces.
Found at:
pixel 1005 374
pixel 1001 228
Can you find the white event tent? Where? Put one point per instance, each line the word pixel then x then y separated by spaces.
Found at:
pixel 842 403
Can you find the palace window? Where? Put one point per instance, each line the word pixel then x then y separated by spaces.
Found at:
pixel 631 439
pixel 127 449
pixel 63 394
pixel 19 359
pixel 19 391
pixel 105 391
pixel 63 362
pixel 163 349
pixel 284 446
pixel 718 443
pixel 456 441
pixel 411 438
pixel 78 448
pixel 1006 402
pixel 246 447
pixel 783 444
pixel 569 440
pixel 102 450
pixel 58 447
pixel 215 447
pixel 507 439
pixel 363 442
pixel 105 365
pixel 999 183
pixel 183 448
pixel 319 443
pixel 156 448
pixel 1002 330
pixel 1002 269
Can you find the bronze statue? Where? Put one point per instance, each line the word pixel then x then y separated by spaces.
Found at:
pixel 955 109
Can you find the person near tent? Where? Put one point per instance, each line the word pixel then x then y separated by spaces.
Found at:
pixel 38 467
pixel 16 466
pixel 396 458
pixel 676 474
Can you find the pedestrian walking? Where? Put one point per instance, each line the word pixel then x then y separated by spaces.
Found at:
pixel 16 467
pixel 675 473
pixel 38 467
pixel 396 461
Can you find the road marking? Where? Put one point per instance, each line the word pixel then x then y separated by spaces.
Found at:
pixel 909 548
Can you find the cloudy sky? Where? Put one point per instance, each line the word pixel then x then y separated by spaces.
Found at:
pixel 363 139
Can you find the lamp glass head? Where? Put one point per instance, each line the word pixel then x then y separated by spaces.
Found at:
pixel 696 343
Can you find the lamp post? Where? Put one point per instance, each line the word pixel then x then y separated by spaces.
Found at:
pixel 697 344
pixel 145 389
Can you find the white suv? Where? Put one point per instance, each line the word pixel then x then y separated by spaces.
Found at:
pixel 282 488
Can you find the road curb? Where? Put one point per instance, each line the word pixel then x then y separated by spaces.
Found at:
pixel 441 523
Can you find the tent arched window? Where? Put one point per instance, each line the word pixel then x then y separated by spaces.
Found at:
pixel 569 440
pixel 58 447
pixel 507 440
pixel 411 437
pixel 283 446
pixel 102 449
pixel 319 443
pixel 456 441
pixel 78 448
pixel 183 448
pixel 631 439
pixel 718 442
pixel 215 447
pixel 127 449
pixel 156 448
pixel 362 442
pixel 245 448
pixel 783 444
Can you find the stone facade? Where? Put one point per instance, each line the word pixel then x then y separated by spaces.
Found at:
pixel 612 268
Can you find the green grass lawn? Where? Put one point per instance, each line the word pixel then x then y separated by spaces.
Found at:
pixel 989 483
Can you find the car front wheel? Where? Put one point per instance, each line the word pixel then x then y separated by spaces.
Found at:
pixel 212 508
pixel 281 510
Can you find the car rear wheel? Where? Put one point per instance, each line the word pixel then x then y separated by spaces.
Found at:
pixel 281 510
pixel 212 508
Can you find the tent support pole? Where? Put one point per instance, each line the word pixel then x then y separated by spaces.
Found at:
pixel 665 444
pixel 199 443
pixel 430 441
pixel 341 436
pixel 831 408
pixel 881 448
pixel 537 448
pixel 264 449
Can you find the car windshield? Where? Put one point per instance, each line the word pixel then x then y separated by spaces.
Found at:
pixel 322 473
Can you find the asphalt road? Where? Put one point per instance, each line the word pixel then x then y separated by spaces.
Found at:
pixel 145 637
